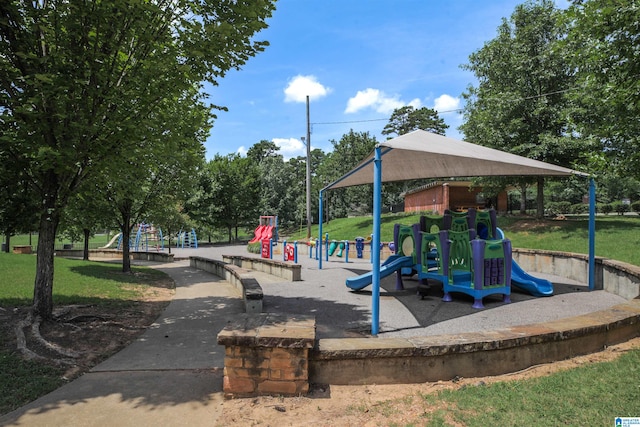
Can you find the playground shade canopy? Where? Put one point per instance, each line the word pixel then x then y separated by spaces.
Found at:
pixel 422 154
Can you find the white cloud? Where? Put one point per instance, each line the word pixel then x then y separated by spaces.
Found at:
pixel 378 101
pixel 289 147
pixel 446 103
pixel 242 150
pixel 363 99
pixel 300 87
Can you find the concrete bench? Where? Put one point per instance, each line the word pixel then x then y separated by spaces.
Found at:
pixel 239 277
pixel 288 271
pixel 22 249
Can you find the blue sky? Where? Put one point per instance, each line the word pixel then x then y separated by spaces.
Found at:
pixel 358 60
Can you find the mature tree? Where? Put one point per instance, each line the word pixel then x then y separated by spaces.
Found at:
pixel 603 46
pixel 170 217
pixel 235 188
pixel 520 104
pixel 162 168
pixel 77 80
pixel 19 205
pixel 262 150
pixel 87 212
pixel 283 182
pixel 407 119
pixel 201 206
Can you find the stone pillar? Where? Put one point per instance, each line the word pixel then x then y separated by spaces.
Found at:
pixel 446 203
pixel 267 354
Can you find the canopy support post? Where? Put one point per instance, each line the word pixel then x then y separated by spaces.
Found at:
pixel 375 241
pixel 592 234
pixel 320 221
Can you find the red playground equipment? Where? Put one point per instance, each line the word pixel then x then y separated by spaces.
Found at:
pixel 267 229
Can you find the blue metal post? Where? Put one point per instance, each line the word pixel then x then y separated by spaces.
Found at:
pixel 592 234
pixel 295 252
pixel 270 248
pixel 346 257
pixel 284 250
pixel 375 242
pixel 371 256
pixel 320 220
pixel 326 242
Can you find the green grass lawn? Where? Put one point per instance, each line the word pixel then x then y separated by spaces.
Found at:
pixel 75 282
pixel 24 239
pixel 590 395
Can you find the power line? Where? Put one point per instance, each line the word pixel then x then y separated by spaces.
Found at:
pixel 346 122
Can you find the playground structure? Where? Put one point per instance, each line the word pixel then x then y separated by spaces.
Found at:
pixel 465 251
pixel 266 229
pixel 147 238
pixel 112 241
pixel 342 248
pixel 187 239
pixel 290 251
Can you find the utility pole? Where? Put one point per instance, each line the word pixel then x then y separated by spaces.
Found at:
pixel 308 172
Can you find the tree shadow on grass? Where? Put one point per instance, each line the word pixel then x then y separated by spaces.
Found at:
pixel 110 271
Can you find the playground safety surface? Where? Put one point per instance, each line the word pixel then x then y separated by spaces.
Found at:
pixel 173 373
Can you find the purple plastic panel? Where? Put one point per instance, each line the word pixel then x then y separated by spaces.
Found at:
pixel 477 252
pixel 417 240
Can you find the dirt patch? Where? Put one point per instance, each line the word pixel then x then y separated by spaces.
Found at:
pixel 92 332
pixel 376 405
pixel 533 225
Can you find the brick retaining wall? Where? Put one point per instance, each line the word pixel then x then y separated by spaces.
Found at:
pixel 267 354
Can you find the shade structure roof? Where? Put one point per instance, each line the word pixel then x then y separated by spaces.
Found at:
pixel 422 154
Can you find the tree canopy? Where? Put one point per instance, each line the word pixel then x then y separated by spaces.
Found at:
pixel 602 44
pixel 520 104
pixel 407 119
pixel 83 83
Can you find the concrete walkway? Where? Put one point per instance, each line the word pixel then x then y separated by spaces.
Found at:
pixel 172 375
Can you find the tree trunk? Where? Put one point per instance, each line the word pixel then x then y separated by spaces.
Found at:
pixel 523 199
pixel 540 198
pixel 43 287
pixel 126 252
pixel 6 248
pixel 85 252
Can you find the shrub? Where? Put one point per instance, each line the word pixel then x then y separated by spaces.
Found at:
pixel 620 208
pixel 606 208
pixel 254 248
pixel 635 207
pixel 579 208
pixel 558 208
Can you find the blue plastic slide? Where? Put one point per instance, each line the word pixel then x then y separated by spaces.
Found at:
pixel 523 280
pixel 391 265
pixel 534 285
